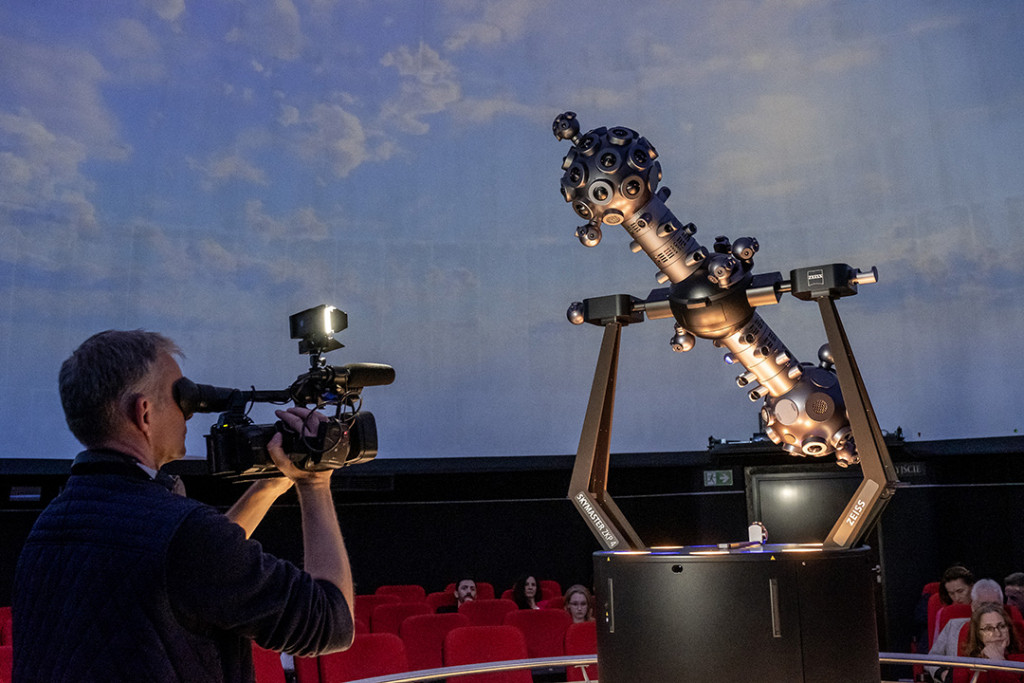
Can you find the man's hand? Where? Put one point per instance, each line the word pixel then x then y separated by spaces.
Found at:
pixel 305 422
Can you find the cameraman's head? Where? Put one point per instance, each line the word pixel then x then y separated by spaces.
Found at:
pixel 116 390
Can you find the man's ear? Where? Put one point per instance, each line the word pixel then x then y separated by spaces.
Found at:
pixel 139 412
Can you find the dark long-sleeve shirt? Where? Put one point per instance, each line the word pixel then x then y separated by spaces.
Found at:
pixel 122 580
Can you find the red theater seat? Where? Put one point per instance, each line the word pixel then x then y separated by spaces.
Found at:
pixel 406 592
pixel 440 599
pixel 6 664
pixel 581 639
pixel 484 590
pixel 389 617
pixel 544 630
pixel 487 612
pixel 365 604
pixel 476 644
pixel 371 654
pixel 267 664
pixel 6 624
pixel 423 635
pixel 550 589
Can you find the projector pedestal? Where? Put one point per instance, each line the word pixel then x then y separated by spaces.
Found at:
pixel 773 613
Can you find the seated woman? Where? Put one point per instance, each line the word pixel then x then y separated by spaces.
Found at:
pixel 578 604
pixel 525 592
pixel 991 636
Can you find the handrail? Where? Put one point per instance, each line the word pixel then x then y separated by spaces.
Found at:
pixel 958 662
pixel 973 663
pixel 482 667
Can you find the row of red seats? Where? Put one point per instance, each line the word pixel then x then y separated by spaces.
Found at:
pixel 6 654
pixel 550 591
pixel 432 641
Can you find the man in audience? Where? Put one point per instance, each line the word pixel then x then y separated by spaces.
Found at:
pixel 1014 589
pixel 123 580
pixel 984 591
pixel 465 590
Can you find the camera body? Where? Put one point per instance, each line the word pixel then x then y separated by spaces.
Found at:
pixel 237 448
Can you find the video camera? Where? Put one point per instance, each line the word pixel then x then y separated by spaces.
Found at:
pixel 237 448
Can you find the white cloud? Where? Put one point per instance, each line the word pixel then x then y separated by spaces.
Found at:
pixel 135 52
pixel 61 88
pixel 500 22
pixel 168 10
pixel 335 136
pixel 428 85
pixel 304 223
pixel 768 151
pixel 289 115
pixel 271 27
pixel 218 169
pixel 480 110
pixel 40 175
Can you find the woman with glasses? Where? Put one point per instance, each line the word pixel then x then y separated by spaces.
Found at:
pixel 578 604
pixel 991 636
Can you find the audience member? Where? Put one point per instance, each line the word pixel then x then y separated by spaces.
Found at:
pixel 955 586
pixel 578 604
pixel 1014 590
pixel 525 592
pixel 991 635
pixel 984 591
pixel 464 591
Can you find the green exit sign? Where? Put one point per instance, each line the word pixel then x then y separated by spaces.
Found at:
pixel 717 478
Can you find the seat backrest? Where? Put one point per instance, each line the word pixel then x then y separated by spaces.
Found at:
pixel 307 669
pixel 365 604
pixel 550 588
pixel 544 630
pixel 956 611
pixel 406 592
pixel 6 624
pixel 267 664
pixel 423 635
pixel 484 590
pixel 440 599
pixel 581 639
pixel 6 664
pixel 557 602
pixel 371 654
pixel 934 605
pixel 387 618
pixel 487 612
pixel 475 644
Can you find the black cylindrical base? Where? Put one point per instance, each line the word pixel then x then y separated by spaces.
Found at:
pixel 770 613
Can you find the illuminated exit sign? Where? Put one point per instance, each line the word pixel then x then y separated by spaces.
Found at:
pixel 717 478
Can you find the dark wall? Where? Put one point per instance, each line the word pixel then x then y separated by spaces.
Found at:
pixel 409 521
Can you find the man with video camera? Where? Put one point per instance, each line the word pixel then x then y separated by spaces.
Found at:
pixel 123 580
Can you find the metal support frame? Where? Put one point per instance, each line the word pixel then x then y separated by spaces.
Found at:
pixel 880 478
pixel 588 488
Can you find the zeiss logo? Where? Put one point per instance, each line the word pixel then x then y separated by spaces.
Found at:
pixel 815 277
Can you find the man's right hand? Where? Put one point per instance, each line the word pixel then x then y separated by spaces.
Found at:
pixel 305 422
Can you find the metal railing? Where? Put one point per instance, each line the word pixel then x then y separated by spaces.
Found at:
pixel 894 658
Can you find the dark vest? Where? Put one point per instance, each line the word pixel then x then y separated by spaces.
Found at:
pixel 90 597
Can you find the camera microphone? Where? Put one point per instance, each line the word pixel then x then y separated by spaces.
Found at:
pixel 368 374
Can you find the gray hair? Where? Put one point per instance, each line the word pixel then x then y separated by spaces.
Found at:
pixel 989 586
pixel 102 375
